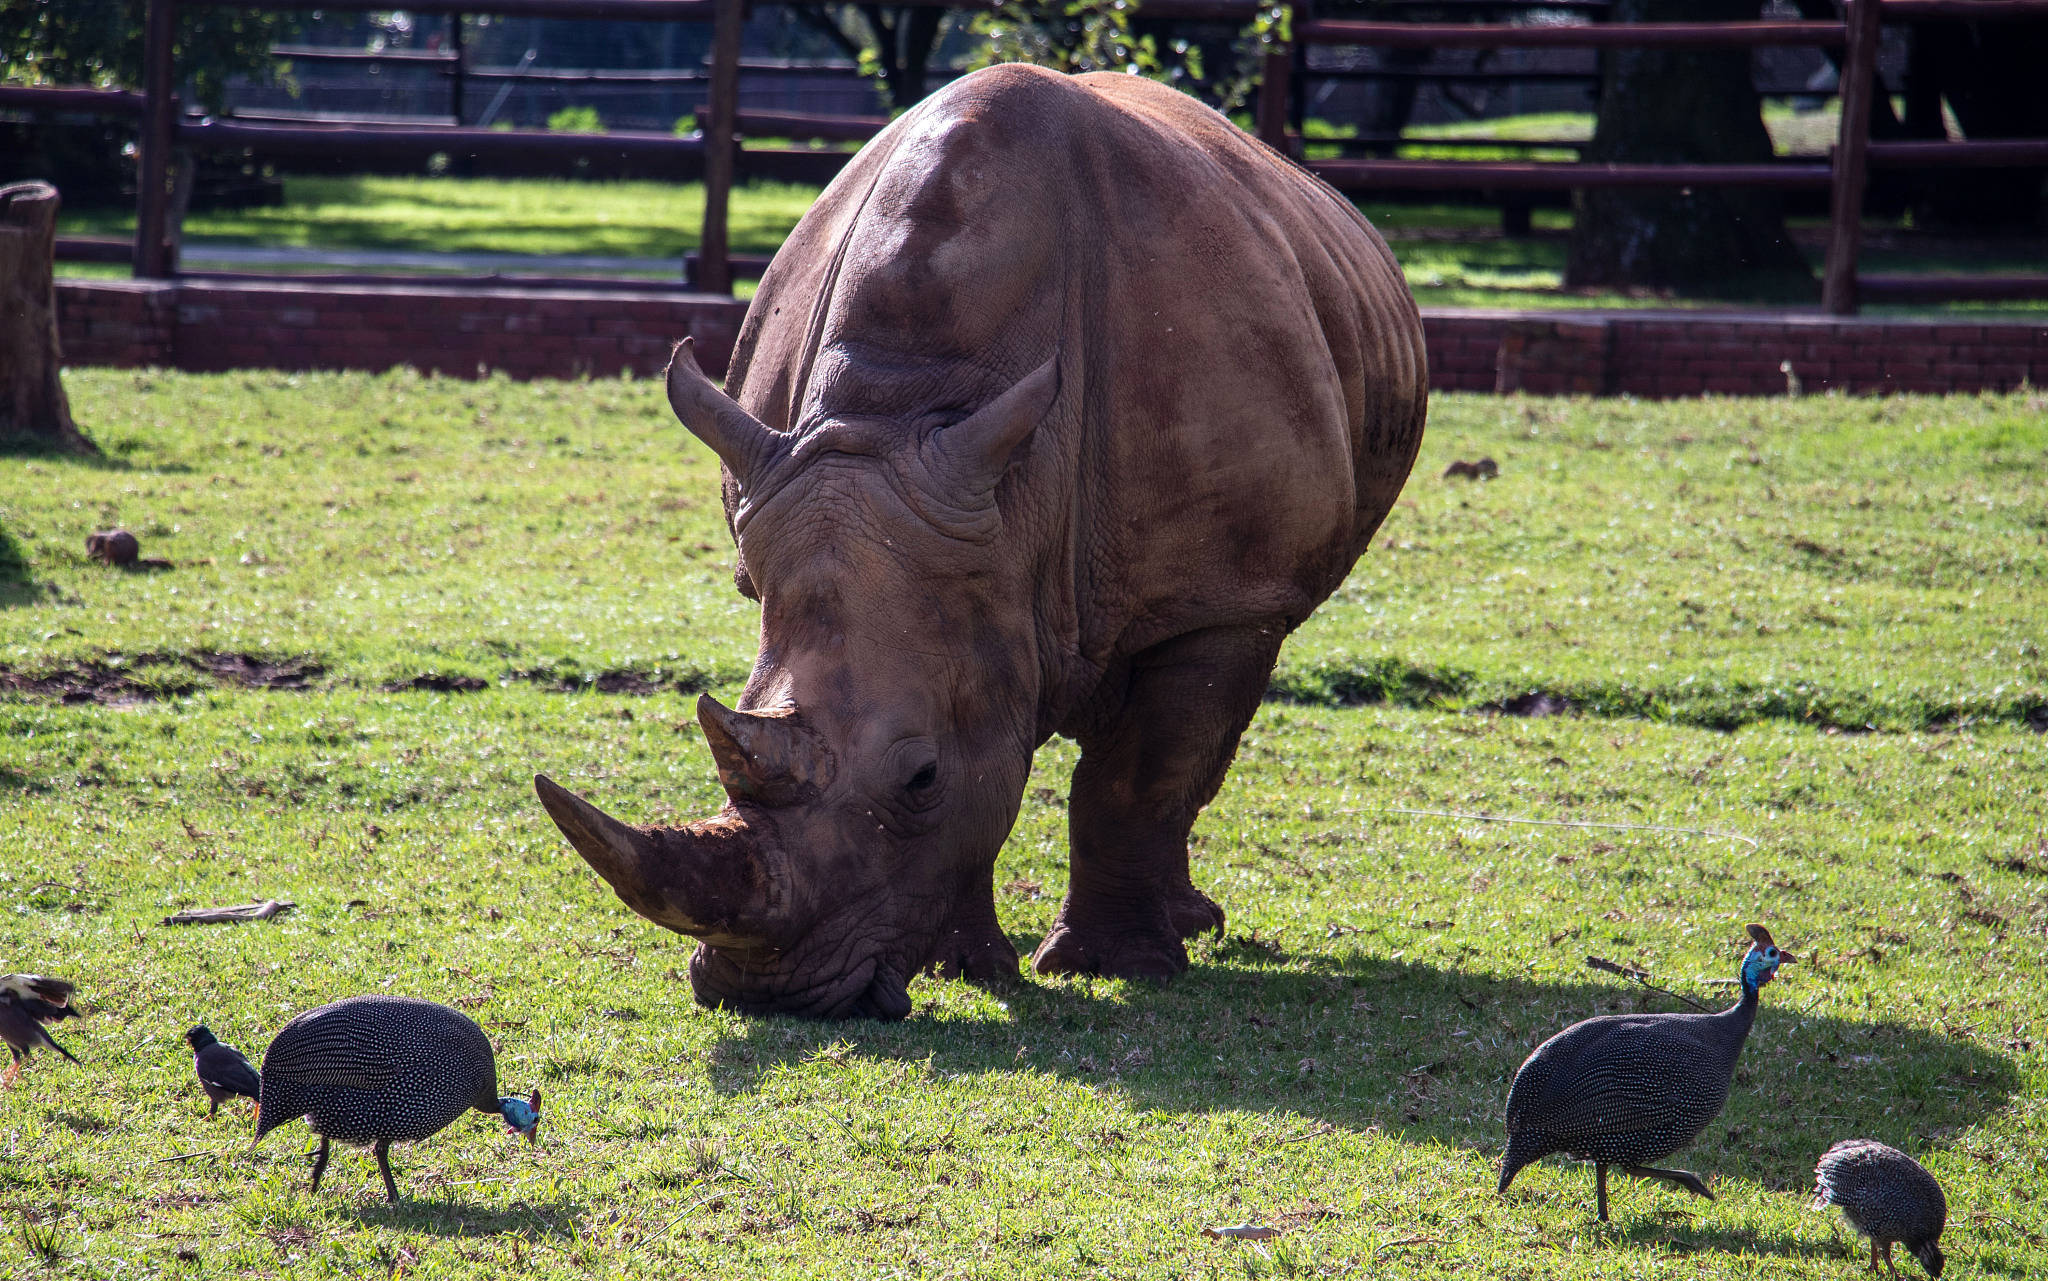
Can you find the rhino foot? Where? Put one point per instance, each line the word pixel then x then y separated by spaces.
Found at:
pixel 977 958
pixel 1122 953
pixel 973 945
pixel 1194 912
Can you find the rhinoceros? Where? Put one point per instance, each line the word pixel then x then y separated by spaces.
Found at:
pixel 1060 409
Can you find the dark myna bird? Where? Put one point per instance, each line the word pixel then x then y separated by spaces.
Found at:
pixel 223 1071
pixel 378 1070
pixel 1887 1196
pixel 27 1001
pixel 1629 1089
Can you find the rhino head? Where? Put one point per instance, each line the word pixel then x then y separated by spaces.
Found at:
pixel 878 754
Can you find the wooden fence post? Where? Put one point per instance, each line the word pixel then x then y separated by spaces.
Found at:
pixel 159 124
pixel 1276 70
pixel 721 109
pixel 1845 205
pixel 455 71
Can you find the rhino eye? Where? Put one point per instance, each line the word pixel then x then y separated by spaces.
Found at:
pixel 924 777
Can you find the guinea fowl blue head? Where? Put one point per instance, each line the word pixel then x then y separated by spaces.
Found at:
pixel 1760 964
pixel 522 1116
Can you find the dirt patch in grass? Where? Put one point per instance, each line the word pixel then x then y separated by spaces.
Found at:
pixel 435 682
pixel 1536 703
pixel 615 681
pixel 120 679
pixel 254 672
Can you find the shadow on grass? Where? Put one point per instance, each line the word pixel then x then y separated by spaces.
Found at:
pixel 1420 1051
pixel 1683 1233
pixel 17 584
pixel 451 1217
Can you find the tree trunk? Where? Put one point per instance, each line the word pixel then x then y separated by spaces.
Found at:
pixel 32 402
pixel 1660 105
pixel 1990 73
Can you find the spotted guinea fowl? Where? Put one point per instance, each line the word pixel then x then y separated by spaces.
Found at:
pixel 1629 1089
pixel 27 1002
pixel 222 1070
pixel 1887 1196
pixel 378 1070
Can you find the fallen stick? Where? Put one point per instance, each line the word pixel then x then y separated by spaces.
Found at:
pixel 1642 977
pixel 240 912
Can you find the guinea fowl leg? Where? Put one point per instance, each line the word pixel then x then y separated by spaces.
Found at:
pixel 1600 1186
pixel 320 1163
pixel 1889 1266
pixel 1676 1178
pixel 13 1069
pixel 384 1164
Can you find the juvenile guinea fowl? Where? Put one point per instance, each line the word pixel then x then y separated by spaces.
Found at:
pixel 1629 1089
pixel 223 1071
pixel 27 1001
pixel 1887 1196
pixel 378 1070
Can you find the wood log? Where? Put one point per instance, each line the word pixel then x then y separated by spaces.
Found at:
pixel 32 402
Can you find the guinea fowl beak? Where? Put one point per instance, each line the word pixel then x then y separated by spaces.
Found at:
pixel 1786 958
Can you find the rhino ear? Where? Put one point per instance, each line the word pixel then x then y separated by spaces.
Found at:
pixel 970 456
pixel 743 442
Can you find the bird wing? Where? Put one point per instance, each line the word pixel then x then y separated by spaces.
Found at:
pixel 224 1068
pixel 37 989
pixel 313 1061
pixel 1587 1080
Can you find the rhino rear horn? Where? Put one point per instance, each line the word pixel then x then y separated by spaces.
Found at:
pixel 743 442
pixel 970 456
pixel 769 759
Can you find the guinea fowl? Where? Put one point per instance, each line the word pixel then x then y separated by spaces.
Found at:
pixel 27 1002
pixel 378 1070
pixel 1629 1089
pixel 222 1069
pixel 1887 1196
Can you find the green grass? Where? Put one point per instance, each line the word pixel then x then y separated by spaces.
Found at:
pixel 1720 583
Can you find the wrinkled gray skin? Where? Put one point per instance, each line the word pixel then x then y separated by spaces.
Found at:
pixel 1060 409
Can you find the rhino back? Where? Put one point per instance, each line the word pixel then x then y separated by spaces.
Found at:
pixel 1243 379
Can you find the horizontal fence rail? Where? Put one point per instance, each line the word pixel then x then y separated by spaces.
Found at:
pixel 1515 175
pixel 1604 35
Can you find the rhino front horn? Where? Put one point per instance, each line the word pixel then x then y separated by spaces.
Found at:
pixel 743 442
pixel 709 880
pixel 768 758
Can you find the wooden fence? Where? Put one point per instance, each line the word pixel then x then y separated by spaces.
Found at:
pixel 721 152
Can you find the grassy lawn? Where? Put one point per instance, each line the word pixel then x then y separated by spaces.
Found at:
pixel 1719 586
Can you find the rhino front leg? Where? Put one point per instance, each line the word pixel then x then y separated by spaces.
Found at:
pixel 973 946
pixel 1147 769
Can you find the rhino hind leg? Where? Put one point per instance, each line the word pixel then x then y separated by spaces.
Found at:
pixel 973 945
pixel 1147 768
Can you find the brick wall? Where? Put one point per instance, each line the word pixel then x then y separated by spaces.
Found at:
pixel 1661 354
pixel 460 330
pixel 117 322
pixel 537 333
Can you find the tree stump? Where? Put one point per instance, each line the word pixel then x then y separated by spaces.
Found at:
pixel 32 402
